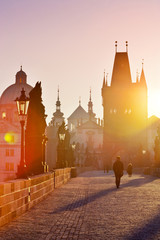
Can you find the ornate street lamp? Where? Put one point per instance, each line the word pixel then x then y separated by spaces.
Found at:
pixel 22 107
pixel 73 146
pixel 44 164
pixel 61 146
pixel 62 136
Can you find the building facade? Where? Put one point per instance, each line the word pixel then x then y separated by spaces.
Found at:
pixel 87 134
pixel 51 132
pixel 10 129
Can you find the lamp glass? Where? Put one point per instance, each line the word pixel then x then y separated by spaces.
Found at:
pixel 62 136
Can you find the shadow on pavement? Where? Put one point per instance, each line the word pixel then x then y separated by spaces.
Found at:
pixel 148 231
pixel 138 182
pixel 93 197
pixel 84 201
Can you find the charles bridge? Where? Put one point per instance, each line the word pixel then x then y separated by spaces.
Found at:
pixel 86 207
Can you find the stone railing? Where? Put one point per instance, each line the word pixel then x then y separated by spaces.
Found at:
pixel 155 172
pixel 18 196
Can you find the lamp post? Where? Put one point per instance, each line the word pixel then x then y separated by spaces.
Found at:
pixel 22 107
pixel 61 146
pixel 73 146
pixel 44 164
pixel 61 153
pixel 143 157
pixel 73 154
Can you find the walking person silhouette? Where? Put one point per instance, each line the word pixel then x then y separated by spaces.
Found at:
pixel 118 170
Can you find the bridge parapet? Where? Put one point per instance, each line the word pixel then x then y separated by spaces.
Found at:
pixel 17 196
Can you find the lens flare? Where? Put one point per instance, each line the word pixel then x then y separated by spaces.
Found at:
pixel 10 138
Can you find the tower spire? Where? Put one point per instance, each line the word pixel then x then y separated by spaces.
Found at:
pixel 58 103
pixel 90 95
pixel 90 106
pixel 115 46
pixel 142 63
pixel 58 93
pixel 127 46
pixel 104 80
pixel 137 76
pixel 142 78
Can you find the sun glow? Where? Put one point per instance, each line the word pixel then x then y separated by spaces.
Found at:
pixel 10 138
pixel 154 103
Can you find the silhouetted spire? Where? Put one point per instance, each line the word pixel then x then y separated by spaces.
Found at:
pixel 127 46
pixel 137 76
pixel 104 80
pixel 90 107
pixel 58 103
pixel 121 75
pixel 115 46
pixel 142 78
pixel 79 101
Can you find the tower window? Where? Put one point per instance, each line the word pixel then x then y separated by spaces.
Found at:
pixel 115 111
pixel 127 111
pixel 3 115
pixel 72 127
pixel 9 166
pixel 111 111
pixel 9 152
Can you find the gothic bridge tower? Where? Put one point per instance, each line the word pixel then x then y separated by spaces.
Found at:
pixel 125 109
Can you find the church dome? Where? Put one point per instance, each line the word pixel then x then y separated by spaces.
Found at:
pixel 14 90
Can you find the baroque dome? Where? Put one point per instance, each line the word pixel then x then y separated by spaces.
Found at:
pixel 14 90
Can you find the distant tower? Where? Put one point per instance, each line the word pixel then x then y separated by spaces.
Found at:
pixel 58 115
pixel 90 108
pixel 124 108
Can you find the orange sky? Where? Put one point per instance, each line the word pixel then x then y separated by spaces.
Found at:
pixel 69 43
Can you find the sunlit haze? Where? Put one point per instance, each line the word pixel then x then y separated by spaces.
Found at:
pixel 69 43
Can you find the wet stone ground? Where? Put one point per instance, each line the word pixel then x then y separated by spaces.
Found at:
pixel 90 207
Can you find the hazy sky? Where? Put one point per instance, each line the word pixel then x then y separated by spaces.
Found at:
pixel 70 42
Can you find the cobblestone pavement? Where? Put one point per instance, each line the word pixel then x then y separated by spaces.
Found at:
pixel 90 207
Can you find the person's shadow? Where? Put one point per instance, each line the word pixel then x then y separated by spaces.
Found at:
pixel 81 202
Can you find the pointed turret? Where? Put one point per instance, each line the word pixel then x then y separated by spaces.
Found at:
pixel 90 108
pixel 137 76
pixel 58 103
pixel 90 104
pixel 104 80
pixel 57 118
pixel 142 78
pixel 121 75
